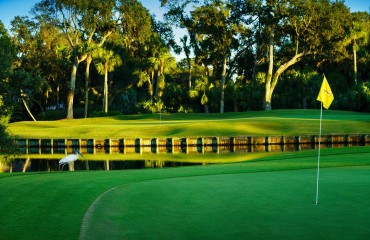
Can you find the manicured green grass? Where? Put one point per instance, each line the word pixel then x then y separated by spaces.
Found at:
pixel 261 123
pixel 268 198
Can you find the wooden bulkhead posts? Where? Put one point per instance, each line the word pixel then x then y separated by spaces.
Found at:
pixel 192 144
pixel 26 146
pixel 200 147
pixel 169 145
pixel 65 146
pixel 154 145
pixel 108 146
pixel 215 144
pixel 123 145
pixel 52 145
pixel 185 145
pixel 138 145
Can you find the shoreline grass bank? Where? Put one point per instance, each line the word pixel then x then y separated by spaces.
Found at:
pixel 257 123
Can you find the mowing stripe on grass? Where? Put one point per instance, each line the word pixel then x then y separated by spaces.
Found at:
pixel 87 216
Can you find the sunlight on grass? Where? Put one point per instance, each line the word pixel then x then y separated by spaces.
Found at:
pixel 233 200
pixel 279 122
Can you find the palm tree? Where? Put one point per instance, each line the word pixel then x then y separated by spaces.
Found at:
pixel 202 87
pixel 107 62
pixel 357 33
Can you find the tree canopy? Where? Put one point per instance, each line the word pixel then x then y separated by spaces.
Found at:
pixel 238 55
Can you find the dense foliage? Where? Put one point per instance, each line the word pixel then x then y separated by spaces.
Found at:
pixel 92 57
pixel 7 142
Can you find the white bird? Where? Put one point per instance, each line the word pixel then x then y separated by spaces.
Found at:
pixel 69 158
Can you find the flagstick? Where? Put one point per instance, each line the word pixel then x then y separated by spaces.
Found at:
pixel 318 162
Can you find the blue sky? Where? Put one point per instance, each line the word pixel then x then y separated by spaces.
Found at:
pixel 11 8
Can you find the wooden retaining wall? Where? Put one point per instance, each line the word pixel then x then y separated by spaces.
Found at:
pixel 195 141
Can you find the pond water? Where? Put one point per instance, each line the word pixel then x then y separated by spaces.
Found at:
pixel 35 159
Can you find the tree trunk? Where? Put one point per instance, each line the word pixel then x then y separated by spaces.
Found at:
pixel 72 87
pixel 222 102
pixel 28 110
pixel 206 108
pixel 270 86
pixel 70 97
pixel 189 72
pixel 155 86
pixel 236 109
pixel 255 60
pixel 161 80
pixel 151 86
pixel 269 90
pixel 87 83
pixel 355 62
pixel 105 101
pixel 58 98
pixel 272 78
pixel 268 96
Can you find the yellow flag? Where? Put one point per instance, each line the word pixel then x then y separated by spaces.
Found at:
pixel 325 95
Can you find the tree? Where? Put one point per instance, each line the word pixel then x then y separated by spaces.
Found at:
pixel 7 61
pixel 294 30
pixel 103 24
pixel 358 35
pixel 212 25
pixel 134 26
pixel 145 44
pixel 55 56
pixel 107 62
pixel 134 32
pixel 217 37
pixel 27 82
pixel 202 88
pixel 159 61
pixel 7 53
pixel 8 143
pixel 82 23
pixel 186 49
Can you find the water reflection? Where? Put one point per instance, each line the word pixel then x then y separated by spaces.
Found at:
pixel 35 159
pixel 177 149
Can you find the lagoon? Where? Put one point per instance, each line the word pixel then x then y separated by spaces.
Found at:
pixel 36 159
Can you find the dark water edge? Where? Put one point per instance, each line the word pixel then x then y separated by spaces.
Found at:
pixel 116 158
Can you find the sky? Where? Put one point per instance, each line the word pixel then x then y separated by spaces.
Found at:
pixel 11 8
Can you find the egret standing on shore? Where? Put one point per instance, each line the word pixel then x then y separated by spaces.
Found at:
pixel 69 158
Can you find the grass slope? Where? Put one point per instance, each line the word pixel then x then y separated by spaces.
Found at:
pixel 265 205
pixel 261 123
pixel 269 198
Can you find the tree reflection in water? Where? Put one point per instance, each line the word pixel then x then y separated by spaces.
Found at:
pixel 34 159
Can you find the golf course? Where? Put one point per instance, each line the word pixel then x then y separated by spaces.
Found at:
pixel 266 196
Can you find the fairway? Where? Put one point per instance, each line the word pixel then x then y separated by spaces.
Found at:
pixel 265 205
pixel 254 123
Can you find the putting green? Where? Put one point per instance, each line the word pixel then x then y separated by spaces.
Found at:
pixel 262 205
pixel 257 199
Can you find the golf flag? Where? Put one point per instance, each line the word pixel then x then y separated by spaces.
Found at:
pixel 325 95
